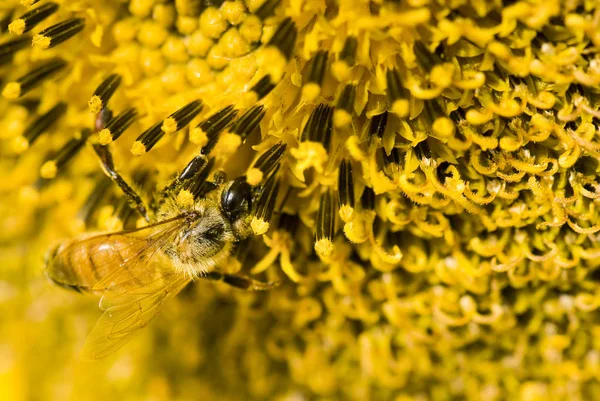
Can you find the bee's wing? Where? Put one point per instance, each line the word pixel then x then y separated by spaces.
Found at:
pixel 128 312
pixel 136 270
pixel 134 289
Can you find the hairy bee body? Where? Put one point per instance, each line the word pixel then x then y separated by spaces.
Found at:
pixel 136 271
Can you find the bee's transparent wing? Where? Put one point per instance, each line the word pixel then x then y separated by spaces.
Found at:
pixel 137 269
pixel 128 312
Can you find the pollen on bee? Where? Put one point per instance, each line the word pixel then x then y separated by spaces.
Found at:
pixel 185 198
pixel 59 33
pixel 103 93
pixel 30 19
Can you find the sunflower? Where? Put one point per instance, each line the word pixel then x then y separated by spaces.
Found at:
pixel 431 183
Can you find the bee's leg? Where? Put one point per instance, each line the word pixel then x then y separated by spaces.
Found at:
pixel 243 282
pixel 108 166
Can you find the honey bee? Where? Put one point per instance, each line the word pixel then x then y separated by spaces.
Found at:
pixel 136 271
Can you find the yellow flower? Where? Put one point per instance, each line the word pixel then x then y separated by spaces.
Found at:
pixel 426 180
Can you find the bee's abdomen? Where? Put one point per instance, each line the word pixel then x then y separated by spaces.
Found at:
pixel 82 264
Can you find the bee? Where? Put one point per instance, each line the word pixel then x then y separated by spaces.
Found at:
pixel 136 271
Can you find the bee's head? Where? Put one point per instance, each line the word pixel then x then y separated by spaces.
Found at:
pixel 236 203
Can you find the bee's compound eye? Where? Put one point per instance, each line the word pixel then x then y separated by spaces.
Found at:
pixel 236 198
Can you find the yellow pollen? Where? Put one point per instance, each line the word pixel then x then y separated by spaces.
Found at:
pixel 310 91
pixel 20 144
pixel 341 118
pixel 169 125
pixel 341 71
pixel 41 42
pixel 259 226
pixel 17 27
pixel 198 137
pixel 185 198
pixel 12 90
pixel 138 148
pixel 105 137
pixel 324 247
pixel 400 107
pixel 254 176
pixel 48 169
pixel 95 104
pixel 346 213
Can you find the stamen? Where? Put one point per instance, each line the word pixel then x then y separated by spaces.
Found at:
pixel 102 119
pixel 367 199
pixel 248 122
pixel 146 141
pixel 319 126
pixel 56 34
pixel 378 124
pixel 427 59
pixel 51 167
pixel 315 74
pixel 267 9
pixel 266 164
pixel 5 20
pixel 8 49
pixel 212 127
pixel 182 117
pixel 262 88
pixel 116 126
pixel 265 206
pixel 346 191
pixel 103 93
pixel 30 19
pixel 94 199
pixel 195 180
pixel 325 225
pixel 342 115
pixel 32 79
pixel 391 162
pixel 275 56
pixel 41 124
pixel 397 94
pixel 346 59
pixel 284 37
pixel 348 53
